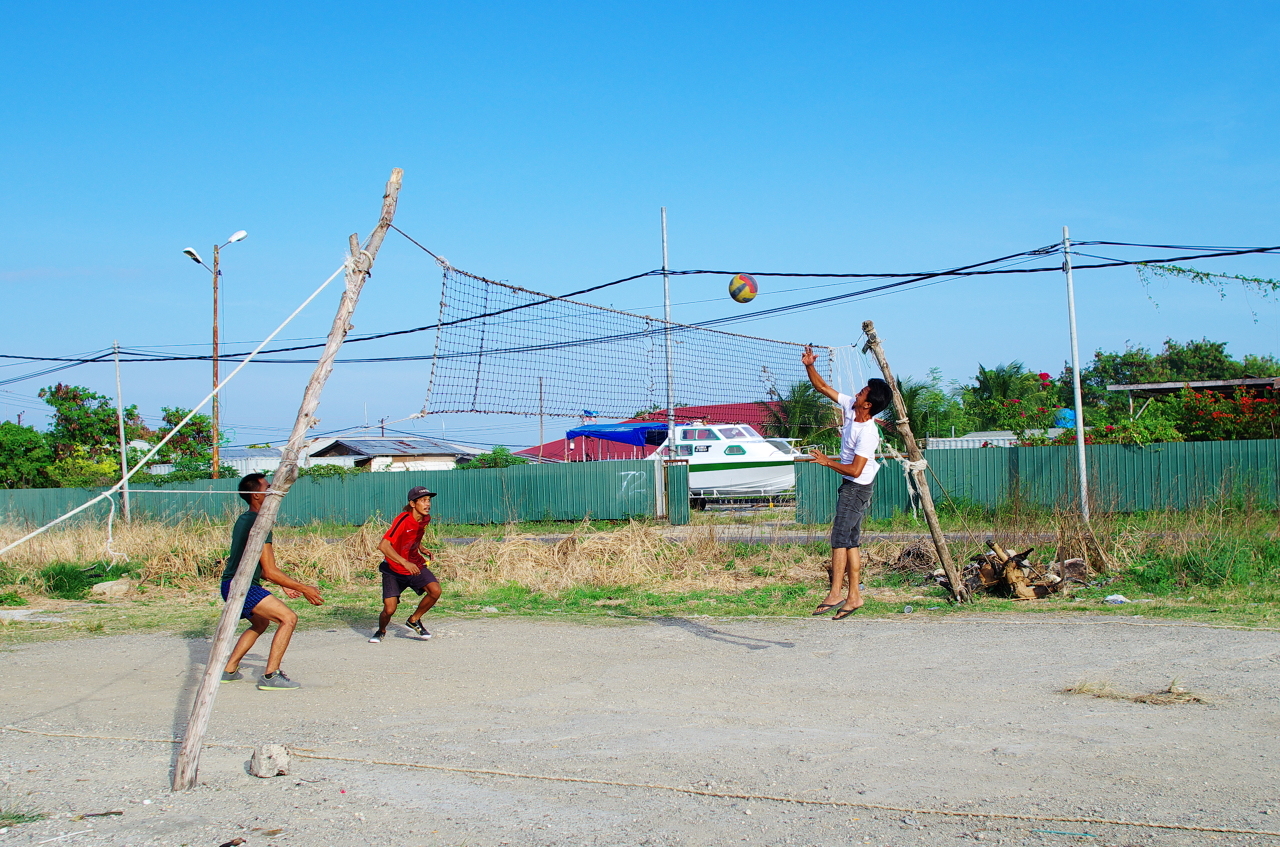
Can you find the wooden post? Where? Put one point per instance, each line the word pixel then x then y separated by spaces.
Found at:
pixel 184 775
pixel 958 590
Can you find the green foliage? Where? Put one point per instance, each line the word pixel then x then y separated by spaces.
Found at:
pixel 84 422
pixel 1263 286
pixel 1221 560
pixel 79 469
pixel 188 469
pixel 13 815
pixel 501 457
pixel 1002 396
pixel 9 598
pixel 932 408
pixel 24 456
pixel 804 415
pixel 195 440
pixel 72 581
pixel 330 471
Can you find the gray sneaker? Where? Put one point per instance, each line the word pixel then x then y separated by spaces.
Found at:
pixel 277 682
pixel 418 628
pixel 235 676
pixel 378 636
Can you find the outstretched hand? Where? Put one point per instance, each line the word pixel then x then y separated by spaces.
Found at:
pixel 818 456
pixel 313 595
pixel 808 357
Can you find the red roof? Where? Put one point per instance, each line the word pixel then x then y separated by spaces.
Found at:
pixel 587 448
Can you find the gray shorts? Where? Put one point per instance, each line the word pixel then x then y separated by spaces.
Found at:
pixel 852 502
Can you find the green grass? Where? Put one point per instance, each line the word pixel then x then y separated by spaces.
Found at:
pixel 14 815
pixel 72 580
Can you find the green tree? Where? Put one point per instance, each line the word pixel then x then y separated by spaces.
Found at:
pixel 1000 395
pixel 501 457
pixel 804 415
pixel 85 420
pixel 25 454
pixel 195 440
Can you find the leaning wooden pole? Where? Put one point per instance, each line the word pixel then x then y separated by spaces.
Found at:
pixel 358 267
pixel 959 592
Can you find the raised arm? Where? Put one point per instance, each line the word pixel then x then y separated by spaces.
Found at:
pixel 808 357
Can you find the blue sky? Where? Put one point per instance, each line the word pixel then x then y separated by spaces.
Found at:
pixel 539 142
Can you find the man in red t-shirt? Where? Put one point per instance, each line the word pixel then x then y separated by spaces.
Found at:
pixel 404 566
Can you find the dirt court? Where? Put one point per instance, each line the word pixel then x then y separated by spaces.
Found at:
pixel 924 715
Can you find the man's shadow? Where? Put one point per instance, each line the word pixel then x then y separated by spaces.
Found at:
pixel 704 631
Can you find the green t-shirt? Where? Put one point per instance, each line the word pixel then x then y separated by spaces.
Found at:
pixel 239 537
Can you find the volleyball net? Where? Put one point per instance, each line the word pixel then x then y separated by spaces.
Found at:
pixel 503 349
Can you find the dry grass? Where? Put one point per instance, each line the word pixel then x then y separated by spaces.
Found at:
pixel 188 556
pixel 1173 695
pixel 635 555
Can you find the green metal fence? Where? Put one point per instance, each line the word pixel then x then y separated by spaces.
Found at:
pixel 1122 478
pixel 570 491
pixel 678 493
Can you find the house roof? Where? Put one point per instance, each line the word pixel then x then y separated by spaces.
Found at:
pixel 1203 384
pixel 393 447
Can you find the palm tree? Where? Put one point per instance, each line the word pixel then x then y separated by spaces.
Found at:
pixel 803 414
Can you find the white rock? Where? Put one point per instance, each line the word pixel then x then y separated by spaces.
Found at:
pixel 269 760
pixel 114 588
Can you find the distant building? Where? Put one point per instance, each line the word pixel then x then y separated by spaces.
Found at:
pixel 392 454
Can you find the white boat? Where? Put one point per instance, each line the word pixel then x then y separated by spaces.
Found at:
pixel 725 460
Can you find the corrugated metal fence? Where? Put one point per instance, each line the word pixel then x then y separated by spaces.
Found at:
pixel 1121 478
pixel 606 490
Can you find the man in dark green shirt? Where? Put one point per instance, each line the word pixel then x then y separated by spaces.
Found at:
pixel 261 607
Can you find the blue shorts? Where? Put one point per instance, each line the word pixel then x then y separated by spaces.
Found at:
pixel 255 596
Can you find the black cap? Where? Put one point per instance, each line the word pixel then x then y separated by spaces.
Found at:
pixel 418 492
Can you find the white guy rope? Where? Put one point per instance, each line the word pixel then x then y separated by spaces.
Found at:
pixel 141 464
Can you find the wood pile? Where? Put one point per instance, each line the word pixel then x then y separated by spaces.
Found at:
pixel 1006 574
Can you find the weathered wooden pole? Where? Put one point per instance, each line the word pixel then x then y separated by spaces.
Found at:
pixel 958 590
pixel 358 267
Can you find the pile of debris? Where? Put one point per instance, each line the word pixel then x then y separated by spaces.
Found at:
pixel 1011 575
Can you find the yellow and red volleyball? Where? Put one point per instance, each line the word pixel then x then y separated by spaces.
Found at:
pixel 743 288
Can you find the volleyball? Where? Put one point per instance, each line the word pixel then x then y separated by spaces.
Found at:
pixel 743 288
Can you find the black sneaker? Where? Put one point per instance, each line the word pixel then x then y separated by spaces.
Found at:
pixel 378 636
pixel 418 628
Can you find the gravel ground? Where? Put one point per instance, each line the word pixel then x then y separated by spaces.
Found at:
pixel 954 715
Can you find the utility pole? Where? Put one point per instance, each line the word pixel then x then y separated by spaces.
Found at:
pixel 666 314
pixel 124 445
pixel 358 267
pixel 959 592
pixel 1075 375
pixel 541 439
pixel 215 457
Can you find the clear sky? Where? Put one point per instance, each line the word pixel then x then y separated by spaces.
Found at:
pixel 540 140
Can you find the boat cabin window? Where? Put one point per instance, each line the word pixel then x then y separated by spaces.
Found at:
pixel 699 435
pixel 735 450
pixel 735 432
pixel 681 450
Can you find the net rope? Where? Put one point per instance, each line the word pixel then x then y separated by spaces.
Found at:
pixel 503 349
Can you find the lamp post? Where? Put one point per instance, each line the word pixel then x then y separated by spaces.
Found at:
pixel 195 257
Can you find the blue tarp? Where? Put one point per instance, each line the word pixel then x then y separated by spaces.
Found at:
pixel 623 433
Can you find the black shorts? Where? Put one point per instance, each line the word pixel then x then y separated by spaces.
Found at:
pixel 852 502
pixel 394 584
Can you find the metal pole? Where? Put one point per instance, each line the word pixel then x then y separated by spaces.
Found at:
pixel 1075 374
pixel 541 440
pixel 215 459
pixel 124 445
pixel 666 314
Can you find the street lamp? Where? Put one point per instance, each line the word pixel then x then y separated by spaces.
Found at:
pixel 191 254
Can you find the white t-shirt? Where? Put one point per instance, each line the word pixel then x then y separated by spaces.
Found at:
pixel 858 439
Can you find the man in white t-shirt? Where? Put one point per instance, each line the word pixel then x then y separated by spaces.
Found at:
pixel 857 466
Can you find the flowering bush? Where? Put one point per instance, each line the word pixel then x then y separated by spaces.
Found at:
pixel 1211 416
